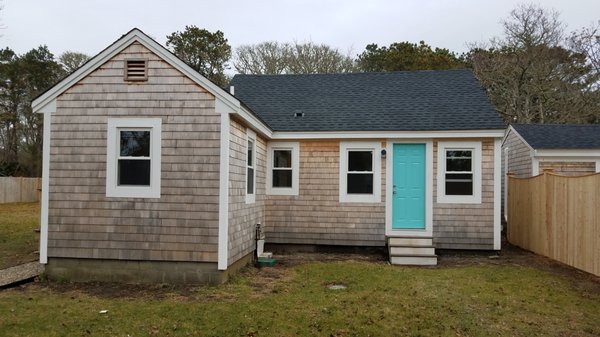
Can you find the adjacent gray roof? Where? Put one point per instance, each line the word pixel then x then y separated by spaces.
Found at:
pixel 560 136
pixel 390 101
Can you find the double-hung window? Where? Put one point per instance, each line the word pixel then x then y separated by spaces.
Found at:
pixel 133 157
pixel 459 172
pixel 283 168
pixel 250 166
pixel 360 172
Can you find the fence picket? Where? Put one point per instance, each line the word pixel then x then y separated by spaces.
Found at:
pixel 558 217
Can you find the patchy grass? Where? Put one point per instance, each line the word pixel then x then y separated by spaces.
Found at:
pixel 19 242
pixel 380 300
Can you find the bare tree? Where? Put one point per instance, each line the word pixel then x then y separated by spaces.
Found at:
pixel 587 42
pixel 530 77
pixel 269 57
pixel 529 25
pixel 311 58
pixel 71 61
pixel 291 58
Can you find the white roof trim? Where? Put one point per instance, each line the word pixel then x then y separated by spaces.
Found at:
pixel 566 153
pixel 135 35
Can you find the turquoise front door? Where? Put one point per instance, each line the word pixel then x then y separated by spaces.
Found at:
pixel 408 193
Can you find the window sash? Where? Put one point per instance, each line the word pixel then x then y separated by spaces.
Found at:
pixel 250 185
pixel 350 174
pixel 121 158
pixel 454 177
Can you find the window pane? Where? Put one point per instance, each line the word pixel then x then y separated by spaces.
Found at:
pixel 282 158
pixel 250 181
pixel 360 183
pixel 282 178
pixel 135 143
pixel 134 172
pixel 457 165
pixel 360 160
pixel 458 154
pixel 459 184
pixel 250 154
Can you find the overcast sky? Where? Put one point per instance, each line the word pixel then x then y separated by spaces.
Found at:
pixel 88 26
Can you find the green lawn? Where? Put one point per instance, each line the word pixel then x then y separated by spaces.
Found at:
pixel 19 242
pixel 380 300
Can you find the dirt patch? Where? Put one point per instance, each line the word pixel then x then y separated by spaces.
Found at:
pixel 270 280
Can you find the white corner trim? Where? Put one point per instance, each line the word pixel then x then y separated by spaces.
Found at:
pixel 45 187
pixel 345 147
pixel 535 166
pixel 506 155
pixel 112 150
pixel 223 240
pixel 250 197
pixel 295 148
pixel 497 192
pixel 442 198
pixel 389 184
pixel 598 166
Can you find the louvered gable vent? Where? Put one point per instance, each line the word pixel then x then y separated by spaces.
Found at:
pixel 136 70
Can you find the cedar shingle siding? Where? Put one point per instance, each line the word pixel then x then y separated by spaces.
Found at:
pixel 180 226
pixel 244 217
pixel 316 216
pixel 466 226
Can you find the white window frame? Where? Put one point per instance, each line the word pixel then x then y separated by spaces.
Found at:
pixel 250 137
pixel 476 159
pixel 113 151
pixel 289 146
pixel 345 147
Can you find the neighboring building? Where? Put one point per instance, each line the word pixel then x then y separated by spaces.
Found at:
pixel 566 149
pixel 153 173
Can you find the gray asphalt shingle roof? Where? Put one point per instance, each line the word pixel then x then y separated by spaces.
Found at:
pixel 390 101
pixel 560 136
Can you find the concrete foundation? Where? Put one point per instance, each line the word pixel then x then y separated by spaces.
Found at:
pixel 123 271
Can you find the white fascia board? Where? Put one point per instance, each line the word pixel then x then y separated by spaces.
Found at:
pixel 506 133
pixel 388 134
pixel 591 153
pixel 134 36
pixel 255 123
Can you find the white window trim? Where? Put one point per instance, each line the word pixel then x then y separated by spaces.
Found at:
pixel 343 171
pixel 295 148
pixel 112 151
pixel 250 197
pixel 442 198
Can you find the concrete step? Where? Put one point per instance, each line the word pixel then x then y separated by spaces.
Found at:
pixel 414 260
pixel 410 241
pixel 412 250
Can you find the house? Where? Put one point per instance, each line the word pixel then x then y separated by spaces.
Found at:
pixel 566 149
pixel 152 173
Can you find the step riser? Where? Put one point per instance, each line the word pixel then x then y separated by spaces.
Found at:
pixel 413 260
pixel 411 251
pixel 411 242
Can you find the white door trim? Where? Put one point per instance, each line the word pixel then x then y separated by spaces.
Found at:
pixel 389 184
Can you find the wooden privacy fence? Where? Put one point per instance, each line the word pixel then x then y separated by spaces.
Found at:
pixel 19 189
pixel 557 216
